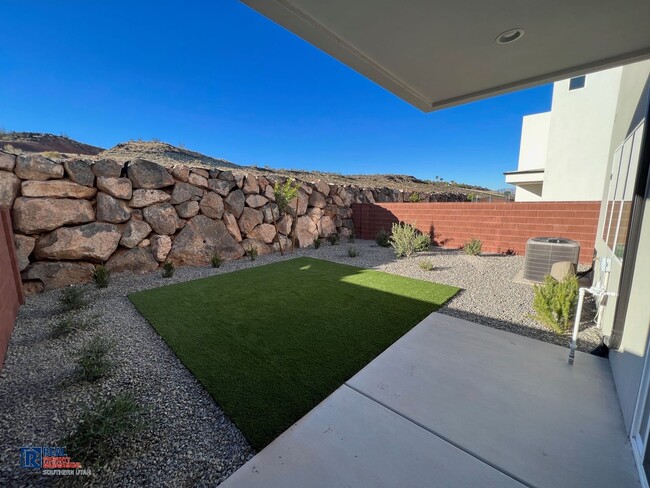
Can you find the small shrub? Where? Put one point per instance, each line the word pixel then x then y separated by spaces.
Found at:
pixel 426 265
pixel 92 363
pixel 406 240
pixel 353 252
pixel 317 242
pixel 422 242
pixel 252 252
pixel 168 269
pixel 473 247
pixel 69 324
pixel 72 298
pixel 351 238
pixel 383 238
pixel 334 239
pixel 216 260
pixel 553 302
pixel 414 197
pixel 509 252
pixel 101 275
pixel 104 429
pixel 51 154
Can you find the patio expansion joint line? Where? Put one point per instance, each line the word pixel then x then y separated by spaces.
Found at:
pixel 444 438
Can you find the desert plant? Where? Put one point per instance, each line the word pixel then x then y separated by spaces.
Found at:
pixel 70 324
pixel 104 429
pixel 351 238
pixel 216 260
pixel 414 197
pixel 168 269
pixel 285 193
pixel 383 238
pixel 553 302
pixel 51 154
pixel 353 252
pixel 334 239
pixel 101 275
pixel 72 298
pixel 422 242
pixel 406 240
pixel 92 363
pixel 317 242
pixel 252 252
pixel 473 247
pixel 426 265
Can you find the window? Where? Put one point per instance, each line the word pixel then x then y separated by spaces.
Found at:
pixel 577 82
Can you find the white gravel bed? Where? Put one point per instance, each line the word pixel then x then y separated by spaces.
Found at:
pixel 190 442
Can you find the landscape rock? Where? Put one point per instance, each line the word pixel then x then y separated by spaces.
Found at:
pixel 162 218
pixel 212 205
pixel 116 187
pixel 56 189
pixel 235 202
pixel 227 176
pixel 181 172
pixel 231 224
pixel 144 198
pixel 326 227
pixel 198 180
pixel 24 246
pixel 303 202
pixel 322 187
pixel 37 168
pixel 316 199
pixel 315 214
pixel 200 239
pixel 562 269
pixel 160 247
pixel 134 232
pixel 284 224
pixel 59 274
pixel 9 188
pixel 7 161
pixel 256 201
pixel 222 187
pixel 107 168
pixel 138 260
pixel 35 215
pixel 91 242
pixel 187 210
pixel 285 241
pixel 269 193
pixel 250 218
pixel 251 185
pixel 79 171
pixel 32 288
pixel 112 210
pixel 149 175
pixel 263 232
pixel 269 211
pixel 144 243
pixel 306 231
pixel 260 246
pixel 239 180
pixel 201 172
pixel 184 192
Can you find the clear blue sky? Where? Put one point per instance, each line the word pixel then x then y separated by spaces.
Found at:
pixel 221 79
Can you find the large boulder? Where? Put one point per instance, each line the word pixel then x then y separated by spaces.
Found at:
pixel 226 176
pixel 212 205
pixel 284 224
pixel 36 215
pixel 198 180
pixel 59 274
pixel 234 202
pixel 56 189
pixel 184 192
pixel 222 187
pixel 187 210
pixel 326 226
pixel 181 172
pixel 144 198
pixel 316 199
pixel 134 232
pixel 111 209
pixel 138 260
pixel 250 218
pixel 263 232
pixel 269 211
pixel 162 218
pixel 80 171
pixel 322 187
pixel 150 175
pixel 251 185
pixel 306 231
pixel 200 239
pixel 37 168
pixel 24 247
pixel 160 247
pixel 116 187
pixel 108 167
pixel 315 214
pixel 91 242
pixel 9 188
pixel 302 200
pixel 7 161
pixel 258 245
pixel 256 201
pixel 231 224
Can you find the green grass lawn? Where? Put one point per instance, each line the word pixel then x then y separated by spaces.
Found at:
pixel 270 342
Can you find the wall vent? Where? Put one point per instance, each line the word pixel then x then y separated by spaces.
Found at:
pixel 543 252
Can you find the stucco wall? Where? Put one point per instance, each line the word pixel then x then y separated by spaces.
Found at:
pixel 534 141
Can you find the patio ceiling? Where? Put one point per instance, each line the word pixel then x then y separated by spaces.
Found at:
pixel 436 53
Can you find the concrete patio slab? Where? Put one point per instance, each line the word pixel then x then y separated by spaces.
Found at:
pixel 454 403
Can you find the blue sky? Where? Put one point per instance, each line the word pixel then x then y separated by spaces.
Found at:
pixel 219 78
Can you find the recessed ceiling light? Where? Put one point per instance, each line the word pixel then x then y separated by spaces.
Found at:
pixel 510 36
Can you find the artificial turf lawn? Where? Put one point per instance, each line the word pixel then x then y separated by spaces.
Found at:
pixel 270 342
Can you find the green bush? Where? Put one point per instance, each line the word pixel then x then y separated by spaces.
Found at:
pixel 414 197
pixel 92 363
pixel 104 429
pixel 334 239
pixel 353 252
pixel 473 247
pixel 251 252
pixel 70 324
pixel 72 298
pixel 101 275
pixel 317 242
pixel 426 265
pixel 553 302
pixel 352 238
pixel 406 240
pixel 216 260
pixel 383 238
pixel 168 269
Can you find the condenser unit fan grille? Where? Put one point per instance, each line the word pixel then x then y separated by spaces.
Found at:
pixel 543 252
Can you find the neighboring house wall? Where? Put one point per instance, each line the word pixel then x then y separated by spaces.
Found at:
pixel 532 156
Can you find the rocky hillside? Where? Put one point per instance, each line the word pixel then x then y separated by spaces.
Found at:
pixel 36 142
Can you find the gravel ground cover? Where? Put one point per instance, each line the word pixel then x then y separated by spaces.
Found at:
pixel 190 442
